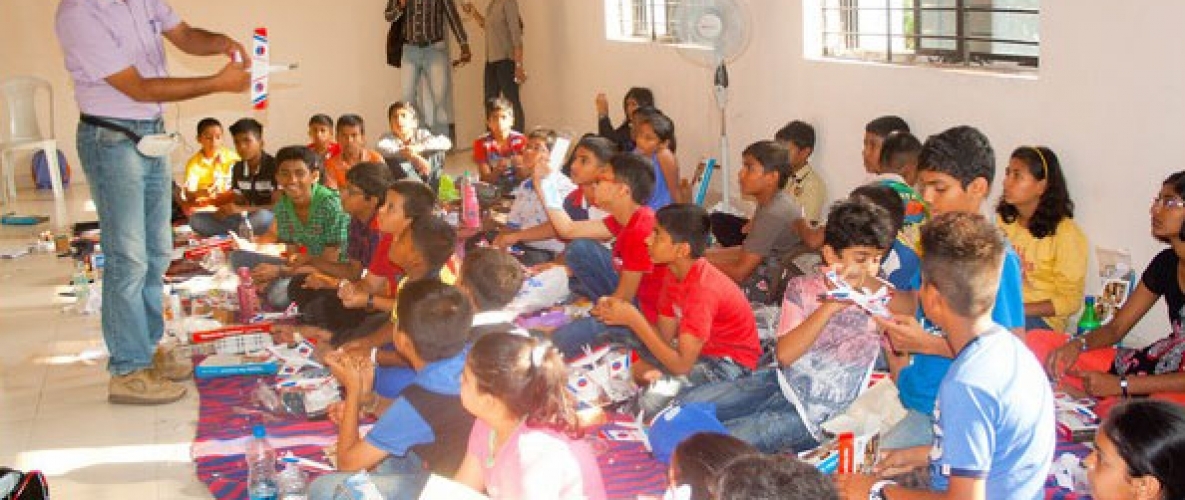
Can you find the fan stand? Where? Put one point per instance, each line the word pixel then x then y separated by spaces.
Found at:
pixel 720 84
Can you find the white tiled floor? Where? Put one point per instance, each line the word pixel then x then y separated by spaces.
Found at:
pixel 54 414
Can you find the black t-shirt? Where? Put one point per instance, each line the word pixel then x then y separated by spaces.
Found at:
pixel 1161 279
pixel 258 188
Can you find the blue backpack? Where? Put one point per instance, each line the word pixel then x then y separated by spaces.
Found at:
pixel 41 170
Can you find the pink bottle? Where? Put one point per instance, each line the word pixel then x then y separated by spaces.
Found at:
pixel 248 298
pixel 470 210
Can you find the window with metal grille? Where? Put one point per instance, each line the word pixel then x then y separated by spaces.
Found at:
pixel 640 20
pixel 997 34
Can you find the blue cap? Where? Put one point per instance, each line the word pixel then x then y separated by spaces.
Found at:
pixel 259 431
pixel 677 423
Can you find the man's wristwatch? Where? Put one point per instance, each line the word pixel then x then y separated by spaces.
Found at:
pixel 877 491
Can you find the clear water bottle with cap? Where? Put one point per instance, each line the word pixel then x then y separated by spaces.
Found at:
pixel 82 286
pixel 261 466
pixel 246 232
pixel 292 481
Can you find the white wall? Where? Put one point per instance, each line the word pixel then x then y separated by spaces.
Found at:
pixel 1109 99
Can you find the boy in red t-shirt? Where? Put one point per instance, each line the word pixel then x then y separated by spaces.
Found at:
pixel 699 306
pixel 625 272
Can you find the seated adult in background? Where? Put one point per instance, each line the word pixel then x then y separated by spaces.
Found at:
pixel 1137 453
pixel 1093 364
pixel 1037 216
pixel 252 187
pixel 623 135
pixel 309 220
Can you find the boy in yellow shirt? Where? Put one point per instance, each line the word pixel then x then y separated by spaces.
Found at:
pixel 207 173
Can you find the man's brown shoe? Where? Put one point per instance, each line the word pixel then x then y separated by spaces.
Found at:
pixel 170 363
pixel 143 387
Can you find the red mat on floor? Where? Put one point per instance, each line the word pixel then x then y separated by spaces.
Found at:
pixel 223 427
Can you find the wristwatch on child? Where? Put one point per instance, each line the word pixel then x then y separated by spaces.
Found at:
pixel 877 491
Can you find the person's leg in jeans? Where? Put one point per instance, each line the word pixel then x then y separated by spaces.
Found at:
pixel 118 177
pixel 410 74
pixel 396 478
pixel 508 87
pixel 440 83
pixel 572 338
pixel 916 429
pixel 592 265
pixel 133 196
pixel 261 220
pixel 207 224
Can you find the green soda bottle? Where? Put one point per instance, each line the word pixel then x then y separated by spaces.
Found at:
pixel 1089 320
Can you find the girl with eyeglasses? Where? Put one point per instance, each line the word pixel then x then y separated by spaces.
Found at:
pixel 525 442
pixel 1093 364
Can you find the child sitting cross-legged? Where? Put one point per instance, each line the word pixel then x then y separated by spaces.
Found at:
pixel 425 429
pixel 995 433
pixel 418 153
pixel 525 443
pixel 705 331
pixel 495 152
pixel 826 347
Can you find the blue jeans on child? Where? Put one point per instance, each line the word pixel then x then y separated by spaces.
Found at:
pixel 133 196
pixel 754 410
pixel 397 478
pixel 208 224
pixel 592 267
pixel 916 429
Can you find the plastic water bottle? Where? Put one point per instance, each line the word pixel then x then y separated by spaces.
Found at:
pixel 292 481
pixel 261 466
pixel 248 298
pixel 82 286
pixel 470 210
pixel 98 261
pixel 246 232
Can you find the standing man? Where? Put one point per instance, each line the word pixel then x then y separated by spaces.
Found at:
pixel 504 53
pixel 115 55
pixel 417 45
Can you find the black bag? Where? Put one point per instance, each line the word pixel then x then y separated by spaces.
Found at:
pixel 17 485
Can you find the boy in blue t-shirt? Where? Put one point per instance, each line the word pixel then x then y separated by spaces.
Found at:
pixel 995 431
pixel 426 429
pixel 955 172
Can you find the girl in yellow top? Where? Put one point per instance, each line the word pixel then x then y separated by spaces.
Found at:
pixel 207 173
pixel 1036 214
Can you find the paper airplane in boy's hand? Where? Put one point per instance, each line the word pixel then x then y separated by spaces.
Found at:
pixel 261 67
pixel 876 304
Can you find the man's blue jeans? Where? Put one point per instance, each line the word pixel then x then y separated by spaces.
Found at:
pixel 397 478
pixel 754 410
pixel 430 64
pixel 133 196
pixel 208 224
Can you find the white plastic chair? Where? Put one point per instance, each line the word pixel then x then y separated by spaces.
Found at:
pixel 22 131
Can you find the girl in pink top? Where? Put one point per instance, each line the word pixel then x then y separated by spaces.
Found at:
pixel 525 441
